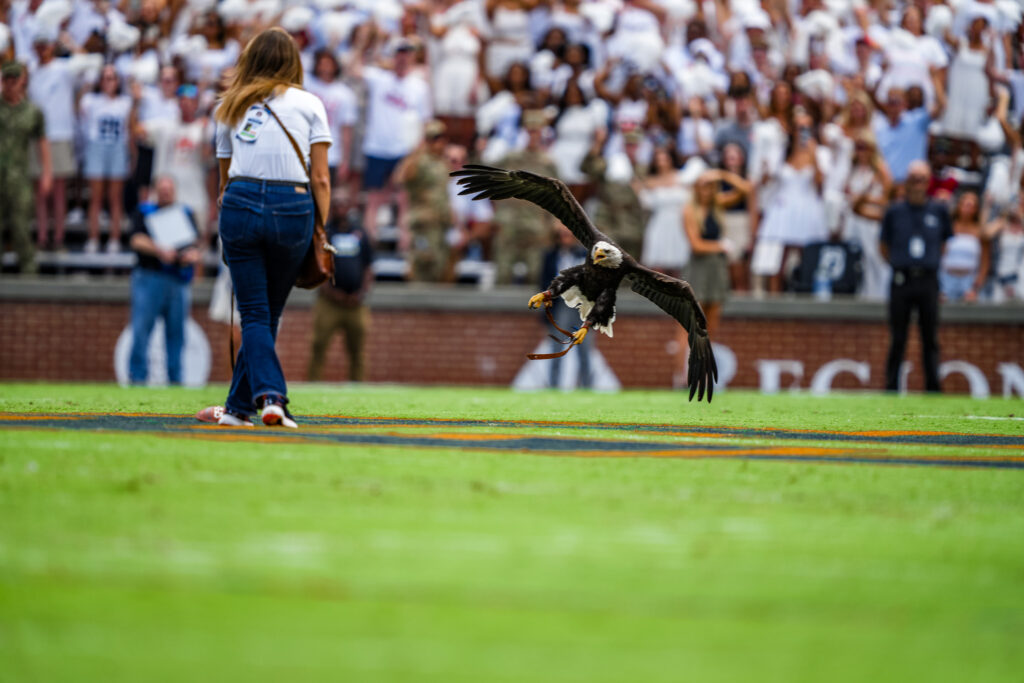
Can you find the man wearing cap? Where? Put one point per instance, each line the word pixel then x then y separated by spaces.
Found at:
pixel 51 87
pixel 397 107
pixel 618 212
pixel 913 237
pixel 523 229
pixel 424 175
pixel 21 125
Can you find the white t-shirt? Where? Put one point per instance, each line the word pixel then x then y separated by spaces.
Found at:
pixel 155 107
pixel 105 118
pixel 259 148
pixel 396 110
pixel 342 110
pixel 52 89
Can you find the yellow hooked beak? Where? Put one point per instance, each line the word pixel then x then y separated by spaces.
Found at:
pixel 599 255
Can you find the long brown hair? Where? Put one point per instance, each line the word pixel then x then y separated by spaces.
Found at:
pixel 270 61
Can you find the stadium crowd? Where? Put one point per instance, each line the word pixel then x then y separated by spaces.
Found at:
pixel 805 115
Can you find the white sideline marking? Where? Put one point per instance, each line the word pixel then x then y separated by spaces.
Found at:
pixel 973 417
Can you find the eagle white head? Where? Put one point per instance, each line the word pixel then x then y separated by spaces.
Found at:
pixel 606 254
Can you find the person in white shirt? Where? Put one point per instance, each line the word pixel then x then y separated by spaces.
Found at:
pixel 342 110
pixel 180 150
pixel 267 202
pixel 398 107
pixel 157 105
pixel 51 87
pixel 106 115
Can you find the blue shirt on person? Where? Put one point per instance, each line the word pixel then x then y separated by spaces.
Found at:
pixel 915 234
pixel 904 143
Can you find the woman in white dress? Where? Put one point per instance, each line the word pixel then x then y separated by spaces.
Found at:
pixel 509 36
pixel 969 85
pixel 455 56
pixel 794 215
pixel 665 245
pixel 866 192
pixel 577 123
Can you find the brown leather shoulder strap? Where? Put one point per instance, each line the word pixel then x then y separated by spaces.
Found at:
pixel 295 145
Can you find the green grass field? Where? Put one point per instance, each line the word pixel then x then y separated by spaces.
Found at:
pixel 461 545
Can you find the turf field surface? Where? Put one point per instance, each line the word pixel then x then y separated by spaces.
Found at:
pixel 391 539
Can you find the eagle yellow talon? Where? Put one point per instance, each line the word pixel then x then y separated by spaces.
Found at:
pixel 538 300
pixel 579 335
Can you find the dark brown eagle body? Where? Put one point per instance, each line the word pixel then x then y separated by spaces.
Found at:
pixel 592 286
pixel 597 285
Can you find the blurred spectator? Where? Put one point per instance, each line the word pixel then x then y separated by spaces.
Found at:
pixel 398 105
pixel 696 133
pixel 576 124
pixel 342 111
pixel 106 116
pixel 509 39
pixel 499 119
pixel 737 126
pixel 51 87
pixel 794 212
pixel 164 238
pixel 455 52
pixel 615 176
pixel 181 149
pixel 157 105
pixel 708 270
pixel 965 258
pixel 424 176
pixel 914 233
pixel 21 126
pixel 1006 235
pixel 522 232
pixel 902 133
pixel 969 80
pixel 661 192
pixel 472 219
pixel 565 253
pixel 866 193
pixel 340 303
pixel 738 218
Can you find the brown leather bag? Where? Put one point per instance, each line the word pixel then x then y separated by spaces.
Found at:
pixel 318 265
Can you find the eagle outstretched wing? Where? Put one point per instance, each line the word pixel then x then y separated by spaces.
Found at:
pixel 550 194
pixel 676 298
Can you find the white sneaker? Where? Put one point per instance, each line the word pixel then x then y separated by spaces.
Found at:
pixel 229 420
pixel 92 246
pixel 113 246
pixel 275 415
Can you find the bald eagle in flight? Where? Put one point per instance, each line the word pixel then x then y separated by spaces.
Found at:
pixel 592 286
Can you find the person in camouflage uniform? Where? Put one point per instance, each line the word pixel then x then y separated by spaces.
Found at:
pixel 424 174
pixel 618 213
pixel 21 124
pixel 524 230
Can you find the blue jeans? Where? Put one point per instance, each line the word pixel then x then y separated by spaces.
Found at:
pixel 955 287
pixel 164 295
pixel 265 230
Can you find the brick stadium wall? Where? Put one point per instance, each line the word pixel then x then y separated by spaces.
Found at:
pixel 69 341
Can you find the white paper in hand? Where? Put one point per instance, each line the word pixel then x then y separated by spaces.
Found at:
pixel 170 227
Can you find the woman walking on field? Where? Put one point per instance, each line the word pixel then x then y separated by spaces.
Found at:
pixel 266 216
